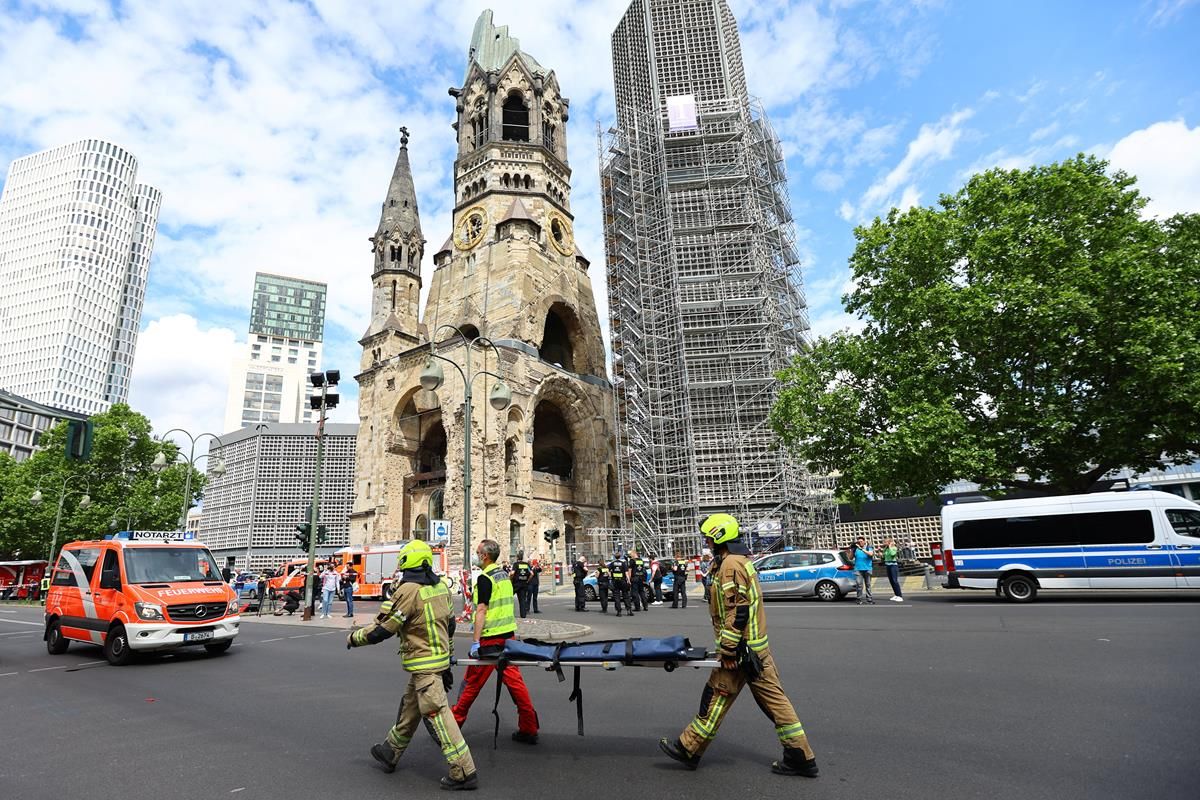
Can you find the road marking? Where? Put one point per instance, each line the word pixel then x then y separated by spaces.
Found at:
pixel 6 674
pixel 19 633
pixel 23 622
pixel 264 641
pixel 301 636
pixel 6 611
pixel 326 633
pixel 44 669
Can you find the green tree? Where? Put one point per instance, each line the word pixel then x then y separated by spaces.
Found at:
pixel 1032 331
pixel 125 492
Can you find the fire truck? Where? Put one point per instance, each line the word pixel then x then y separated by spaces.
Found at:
pixel 375 566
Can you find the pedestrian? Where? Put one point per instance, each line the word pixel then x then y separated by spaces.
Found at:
pixel 637 581
pixel 740 623
pixel 679 584
pixel 329 584
pixel 619 577
pixel 534 583
pixel 315 582
pixel 705 576
pixel 603 585
pixel 660 568
pixel 863 566
pixel 495 623
pixel 891 562
pixel 349 579
pixel 522 575
pixel 420 611
pixel 578 573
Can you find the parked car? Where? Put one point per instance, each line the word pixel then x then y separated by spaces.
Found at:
pixel 249 582
pixel 805 573
pixel 591 593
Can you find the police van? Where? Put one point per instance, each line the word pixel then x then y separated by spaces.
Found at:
pixel 139 591
pixel 1107 540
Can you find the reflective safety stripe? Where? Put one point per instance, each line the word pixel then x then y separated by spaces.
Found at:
pixel 500 618
pixel 427 663
pixel 398 741
pixel 789 731
pixel 706 727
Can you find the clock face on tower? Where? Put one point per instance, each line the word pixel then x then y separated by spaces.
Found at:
pixel 471 228
pixel 560 235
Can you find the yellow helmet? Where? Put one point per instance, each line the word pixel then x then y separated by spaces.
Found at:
pixel 721 528
pixel 413 555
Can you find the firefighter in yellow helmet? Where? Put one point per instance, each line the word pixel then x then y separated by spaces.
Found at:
pixel 420 611
pixel 735 605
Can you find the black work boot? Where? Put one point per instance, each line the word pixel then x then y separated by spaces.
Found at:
pixel 468 782
pixel 794 763
pixel 678 752
pixel 385 755
pixel 524 738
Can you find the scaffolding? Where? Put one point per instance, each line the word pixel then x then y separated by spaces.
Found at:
pixel 706 307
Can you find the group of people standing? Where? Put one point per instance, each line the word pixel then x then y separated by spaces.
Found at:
pixel 631 582
pixel 862 556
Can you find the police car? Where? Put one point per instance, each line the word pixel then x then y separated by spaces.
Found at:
pixel 805 573
pixel 591 592
pixel 139 591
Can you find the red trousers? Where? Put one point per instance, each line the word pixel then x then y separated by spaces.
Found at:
pixel 473 683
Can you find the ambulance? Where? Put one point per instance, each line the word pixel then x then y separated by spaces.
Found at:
pixel 374 566
pixel 290 575
pixel 139 591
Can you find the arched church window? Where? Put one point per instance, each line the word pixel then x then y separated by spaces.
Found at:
pixel 553 451
pixel 421 528
pixel 516 118
pixel 528 182
pixel 437 504
pixel 393 295
pixel 556 341
pixel 412 255
pixel 431 455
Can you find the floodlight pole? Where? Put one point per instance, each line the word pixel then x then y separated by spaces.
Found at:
pixel 316 504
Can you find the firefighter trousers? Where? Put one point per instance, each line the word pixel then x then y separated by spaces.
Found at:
pixel 474 681
pixel 425 701
pixel 723 687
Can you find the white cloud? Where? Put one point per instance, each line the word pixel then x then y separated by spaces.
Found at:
pixel 910 197
pixel 1165 158
pixel 828 181
pixel 181 374
pixel 1043 132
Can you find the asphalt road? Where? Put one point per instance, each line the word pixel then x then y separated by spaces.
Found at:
pixel 949 695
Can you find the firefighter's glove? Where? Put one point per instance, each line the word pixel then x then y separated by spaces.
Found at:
pixel 474 650
pixel 448 679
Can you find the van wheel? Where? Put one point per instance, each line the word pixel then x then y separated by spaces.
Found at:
pixel 216 648
pixel 116 646
pixel 589 593
pixel 386 591
pixel 1019 589
pixel 56 643
pixel 828 591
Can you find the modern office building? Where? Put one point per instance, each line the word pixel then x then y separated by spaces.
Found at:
pixel 22 423
pixel 76 234
pixel 705 295
pixel 268 381
pixel 252 510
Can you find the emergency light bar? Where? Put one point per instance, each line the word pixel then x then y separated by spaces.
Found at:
pixel 156 536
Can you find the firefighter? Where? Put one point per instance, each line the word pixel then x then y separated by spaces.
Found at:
pixel 637 581
pixel 740 624
pixel 579 572
pixel 522 582
pixel 420 611
pixel 619 576
pixel 603 583
pixel 494 623
pixel 679 576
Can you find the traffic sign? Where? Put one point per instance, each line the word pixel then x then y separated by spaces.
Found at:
pixel 439 531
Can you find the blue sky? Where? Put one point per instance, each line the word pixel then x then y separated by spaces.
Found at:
pixel 271 129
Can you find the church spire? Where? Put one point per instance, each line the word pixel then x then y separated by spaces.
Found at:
pixel 397 242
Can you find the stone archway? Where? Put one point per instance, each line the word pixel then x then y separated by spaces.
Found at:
pixel 566 406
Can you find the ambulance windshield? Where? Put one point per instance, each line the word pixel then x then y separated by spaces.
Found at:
pixel 170 565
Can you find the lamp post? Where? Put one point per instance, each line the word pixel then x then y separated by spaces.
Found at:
pixel 160 463
pixel 500 397
pixel 324 381
pixel 84 502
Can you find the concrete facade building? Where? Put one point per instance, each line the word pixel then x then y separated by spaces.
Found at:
pixel 510 274
pixel 705 296
pixel 22 423
pixel 76 235
pixel 268 380
pixel 267 488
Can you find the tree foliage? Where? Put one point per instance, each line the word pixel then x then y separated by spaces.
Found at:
pixel 125 492
pixel 1032 331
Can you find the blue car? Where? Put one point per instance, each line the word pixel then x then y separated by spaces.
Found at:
pixel 805 573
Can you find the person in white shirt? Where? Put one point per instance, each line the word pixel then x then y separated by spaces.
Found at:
pixel 329 582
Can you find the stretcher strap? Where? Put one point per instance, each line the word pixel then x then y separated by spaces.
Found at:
pixel 501 663
pixel 555 666
pixel 577 696
pixel 628 660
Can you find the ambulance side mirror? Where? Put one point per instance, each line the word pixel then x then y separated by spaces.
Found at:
pixel 110 579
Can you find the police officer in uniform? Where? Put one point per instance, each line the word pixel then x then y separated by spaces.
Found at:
pixel 603 584
pixel 679 588
pixel 620 584
pixel 637 581
pixel 740 624
pixel 420 611
pixel 522 577
pixel 578 573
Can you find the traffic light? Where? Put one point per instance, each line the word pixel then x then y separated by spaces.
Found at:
pixel 551 535
pixel 301 535
pixel 79 439
pixel 322 533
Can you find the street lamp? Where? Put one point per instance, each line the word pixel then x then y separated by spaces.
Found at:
pixel 324 381
pixel 84 503
pixel 160 463
pixel 499 398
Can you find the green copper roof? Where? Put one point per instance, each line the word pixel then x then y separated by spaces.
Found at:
pixel 491 47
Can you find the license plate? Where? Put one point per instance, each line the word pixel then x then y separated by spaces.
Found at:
pixel 198 636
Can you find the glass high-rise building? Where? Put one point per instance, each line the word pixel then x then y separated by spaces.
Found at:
pixel 76 234
pixel 269 379
pixel 705 296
